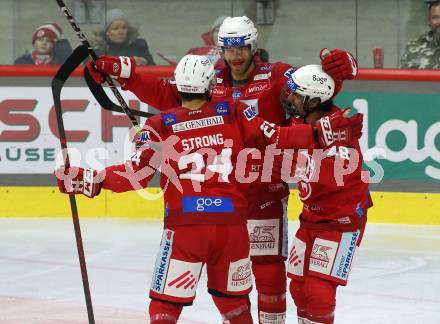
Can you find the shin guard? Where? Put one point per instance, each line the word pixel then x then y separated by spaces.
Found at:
pixel 270 278
pixel 234 309
pixel 163 312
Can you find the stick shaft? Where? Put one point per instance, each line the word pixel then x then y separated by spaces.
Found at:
pixel 94 57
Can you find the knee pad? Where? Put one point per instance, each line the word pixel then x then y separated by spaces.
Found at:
pixel 234 309
pixel 296 288
pixel 270 277
pixel 164 312
pixel 320 298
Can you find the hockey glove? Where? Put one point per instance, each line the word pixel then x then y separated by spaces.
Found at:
pixel 78 181
pixel 338 127
pixel 117 67
pixel 341 65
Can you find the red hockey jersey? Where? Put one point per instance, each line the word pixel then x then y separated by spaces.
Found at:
pixel 334 191
pixel 199 153
pixel 262 92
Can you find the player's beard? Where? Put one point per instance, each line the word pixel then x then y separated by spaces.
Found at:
pixel 298 112
pixel 242 68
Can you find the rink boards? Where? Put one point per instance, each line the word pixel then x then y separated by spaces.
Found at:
pixel 400 122
pixel 389 207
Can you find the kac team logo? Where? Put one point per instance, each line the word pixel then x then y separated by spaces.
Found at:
pixel 236 94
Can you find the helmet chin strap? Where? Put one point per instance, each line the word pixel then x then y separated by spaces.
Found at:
pixel 306 108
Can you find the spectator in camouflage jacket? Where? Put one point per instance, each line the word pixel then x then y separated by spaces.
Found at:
pixel 424 52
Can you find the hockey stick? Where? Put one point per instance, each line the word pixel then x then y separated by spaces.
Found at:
pixel 102 98
pixel 94 57
pixel 78 55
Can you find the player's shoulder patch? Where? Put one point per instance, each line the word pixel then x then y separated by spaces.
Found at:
pixel 169 118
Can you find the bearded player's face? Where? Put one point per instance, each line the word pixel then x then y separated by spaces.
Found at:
pixel 297 102
pixel 238 58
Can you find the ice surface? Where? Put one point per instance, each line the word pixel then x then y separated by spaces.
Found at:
pixel 395 277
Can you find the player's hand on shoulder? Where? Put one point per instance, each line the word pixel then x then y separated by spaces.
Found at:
pixel 338 127
pixel 339 64
pixel 114 66
pixel 75 180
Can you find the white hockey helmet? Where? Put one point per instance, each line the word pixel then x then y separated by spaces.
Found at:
pixel 311 81
pixel 237 32
pixel 194 74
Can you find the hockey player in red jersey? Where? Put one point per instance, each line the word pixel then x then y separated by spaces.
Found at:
pixel 243 78
pixel 196 146
pixel 335 202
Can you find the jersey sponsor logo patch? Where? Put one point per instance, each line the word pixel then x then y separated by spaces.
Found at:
pixel 257 88
pixel 169 119
pixel 264 236
pixel 203 204
pixel 198 123
pixel 345 255
pixel 240 275
pixel 236 94
pixel 262 76
pixel 182 278
pixel 222 108
pixel 266 68
pixel 322 256
pixel 219 92
pixel 162 262
pixel 250 113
